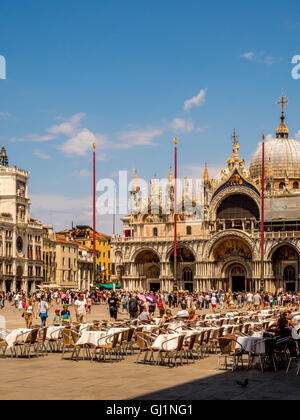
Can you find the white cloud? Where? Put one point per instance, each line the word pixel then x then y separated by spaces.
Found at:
pixel 5 115
pixel 181 125
pixel 82 173
pixel 68 127
pixel 260 57
pixel 197 100
pixel 61 211
pixel 297 135
pixel 41 155
pixel 139 137
pixel 197 171
pixel 249 56
pixel 82 142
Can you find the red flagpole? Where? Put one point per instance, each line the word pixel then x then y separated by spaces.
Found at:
pixel 94 209
pixel 262 287
pixel 175 219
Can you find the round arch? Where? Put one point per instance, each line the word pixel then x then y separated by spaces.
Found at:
pixel 137 252
pixel 219 198
pixel 280 245
pixel 188 248
pixel 228 234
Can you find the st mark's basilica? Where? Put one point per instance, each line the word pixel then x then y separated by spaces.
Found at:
pixel 220 248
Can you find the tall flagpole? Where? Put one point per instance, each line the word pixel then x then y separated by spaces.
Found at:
pixel 94 214
pixel 175 220
pixel 262 275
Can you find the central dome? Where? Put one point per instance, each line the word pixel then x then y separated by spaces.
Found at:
pixel 284 156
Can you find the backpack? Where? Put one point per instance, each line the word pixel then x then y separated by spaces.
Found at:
pixel 133 305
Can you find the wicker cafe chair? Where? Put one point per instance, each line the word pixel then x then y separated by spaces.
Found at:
pixel 164 353
pixel 128 342
pixel 26 345
pixel 228 350
pixel 3 347
pixel 55 345
pixel 188 346
pixel 41 342
pixel 144 342
pixel 294 349
pixel 111 347
pixel 263 358
pixel 70 338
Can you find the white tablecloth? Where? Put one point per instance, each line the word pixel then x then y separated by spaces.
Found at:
pixel 84 327
pixel 251 344
pixel 54 333
pixel 12 337
pixel 150 328
pixel 92 337
pixel 163 338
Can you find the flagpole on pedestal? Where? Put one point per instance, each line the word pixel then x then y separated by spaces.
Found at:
pixel 175 286
pixel 262 274
pixel 94 214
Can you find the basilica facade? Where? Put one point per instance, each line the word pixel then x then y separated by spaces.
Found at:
pixel 219 241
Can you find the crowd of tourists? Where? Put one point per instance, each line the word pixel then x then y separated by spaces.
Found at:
pixel 137 305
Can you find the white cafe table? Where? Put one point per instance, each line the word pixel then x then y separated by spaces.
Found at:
pixel 92 338
pixel 251 344
pixel 17 336
pixel 159 343
pixel 54 333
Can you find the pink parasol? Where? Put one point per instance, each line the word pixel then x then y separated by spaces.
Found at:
pixel 142 298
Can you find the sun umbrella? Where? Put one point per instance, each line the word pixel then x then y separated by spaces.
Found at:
pixel 151 298
pixel 142 298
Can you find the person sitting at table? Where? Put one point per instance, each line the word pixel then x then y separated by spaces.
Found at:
pixel 192 317
pixel 167 317
pixel 283 326
pixel 183 313
pixel 145 315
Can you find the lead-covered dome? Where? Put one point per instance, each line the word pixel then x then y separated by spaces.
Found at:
pixel 282 154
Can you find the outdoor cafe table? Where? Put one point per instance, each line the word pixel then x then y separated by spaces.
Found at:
pixel 149 328
pixel 251 344
pixel 54 333
pixel 157 321
pixel 17 336
pixel 159 343
pixel 212 316
pixel 92 338
pixel 231 314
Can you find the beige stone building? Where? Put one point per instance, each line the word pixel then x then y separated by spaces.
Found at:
pixel 21 237
pixel 66 263
pixel 85 267
pixel 49 256
pixel 219 239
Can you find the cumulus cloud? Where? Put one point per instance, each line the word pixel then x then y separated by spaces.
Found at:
pixel 62 210
pixel 181 125
pixel 139 137
pixel 260 57
pixel 82 173
pixel 196 101
pixel 41 155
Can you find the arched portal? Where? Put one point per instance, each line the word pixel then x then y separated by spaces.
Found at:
pixel 147 269
pixel 237 278
pixel 285 264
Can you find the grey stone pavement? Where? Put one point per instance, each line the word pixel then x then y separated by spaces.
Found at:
pixel 52 378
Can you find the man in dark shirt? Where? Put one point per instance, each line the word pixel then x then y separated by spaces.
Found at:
pixel 113 303
pixel 133 307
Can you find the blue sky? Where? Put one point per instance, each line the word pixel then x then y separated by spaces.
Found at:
pixel 121 72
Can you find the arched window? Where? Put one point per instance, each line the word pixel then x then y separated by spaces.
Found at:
pixel 289 273
pixel 155 232
pixel 296 185
pixel 189 230
pixel 281 185
pixel 238 206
